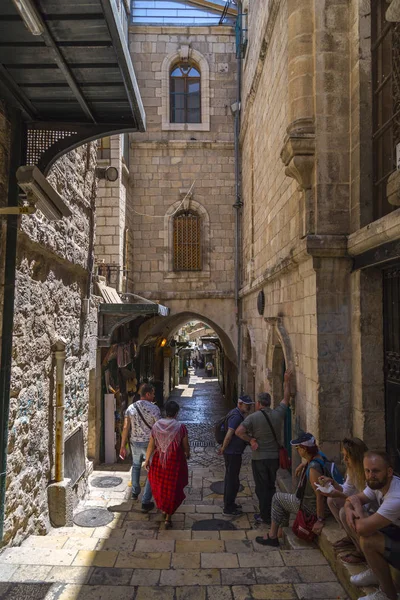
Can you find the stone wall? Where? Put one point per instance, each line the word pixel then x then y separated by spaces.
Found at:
pixel 296 206
pixel 51 284
pixel 168 158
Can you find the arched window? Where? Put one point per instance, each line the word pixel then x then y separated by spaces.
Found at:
pixel 185 99
pixel 187 241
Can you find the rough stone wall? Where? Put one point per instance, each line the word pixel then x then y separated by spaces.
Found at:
pixel 52 281
pixel 164 163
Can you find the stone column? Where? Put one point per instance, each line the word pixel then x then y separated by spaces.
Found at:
pixel 299 144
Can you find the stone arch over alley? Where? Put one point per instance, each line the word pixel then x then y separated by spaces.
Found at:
pixel 218 314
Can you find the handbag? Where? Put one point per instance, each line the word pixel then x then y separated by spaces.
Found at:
pixel 284 459
pixel 304 522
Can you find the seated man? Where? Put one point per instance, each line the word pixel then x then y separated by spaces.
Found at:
pixel 378 535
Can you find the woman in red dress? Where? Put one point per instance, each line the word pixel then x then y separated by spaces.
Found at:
pixel 168 471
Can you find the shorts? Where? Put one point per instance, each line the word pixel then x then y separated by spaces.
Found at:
pixel 392 545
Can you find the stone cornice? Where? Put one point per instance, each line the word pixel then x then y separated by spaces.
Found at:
pixel 386 229
pixel 165 296
pixel 182 30
pixel 182 145
pixel 312 246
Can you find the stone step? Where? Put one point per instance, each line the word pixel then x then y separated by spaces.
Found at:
pixel 330 534
pixel 231 566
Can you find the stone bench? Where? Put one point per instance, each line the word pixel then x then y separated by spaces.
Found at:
pixel 331 533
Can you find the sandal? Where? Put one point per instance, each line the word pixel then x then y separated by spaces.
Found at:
pixel 343 543
pixel 168 523
pixel 353 558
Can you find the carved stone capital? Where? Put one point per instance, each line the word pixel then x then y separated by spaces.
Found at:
pixel 393 12
pixel 298 152
pixel 393 189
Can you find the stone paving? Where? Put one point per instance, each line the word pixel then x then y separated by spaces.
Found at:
pixel 135 558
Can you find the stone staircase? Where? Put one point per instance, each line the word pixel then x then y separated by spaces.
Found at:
pixel 135 558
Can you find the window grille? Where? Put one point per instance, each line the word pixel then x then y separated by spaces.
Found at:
pixel 185 100
pixel 187 242
pixel 104 149
pixel 385 103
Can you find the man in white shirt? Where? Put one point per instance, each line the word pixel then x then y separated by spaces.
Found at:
pixel 139 419
pixel 378 534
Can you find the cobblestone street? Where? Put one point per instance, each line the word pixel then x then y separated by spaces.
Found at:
pixel 135 558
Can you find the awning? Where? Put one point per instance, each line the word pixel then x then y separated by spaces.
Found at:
pixel 75 81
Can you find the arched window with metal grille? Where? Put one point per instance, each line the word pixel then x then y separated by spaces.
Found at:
pixel 187 242
pixel 185 94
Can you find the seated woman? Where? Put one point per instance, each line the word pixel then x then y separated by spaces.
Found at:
pixel 168 470
pixel 283 505
pixel 353 450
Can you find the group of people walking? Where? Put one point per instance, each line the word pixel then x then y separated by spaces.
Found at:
pixel 366 503
pixel 161 445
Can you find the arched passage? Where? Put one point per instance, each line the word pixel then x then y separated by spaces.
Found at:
pixel 166 328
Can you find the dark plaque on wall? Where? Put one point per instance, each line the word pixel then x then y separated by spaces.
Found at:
pixel 261 303
pixel 74 456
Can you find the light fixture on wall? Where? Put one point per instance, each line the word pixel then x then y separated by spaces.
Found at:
pixel 108 173
pixel 163 342
pixel 30 16
pixel 41 194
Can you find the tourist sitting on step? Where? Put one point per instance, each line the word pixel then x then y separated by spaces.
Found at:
pixel 353 450
pixel 168 470
pixel 307 496
pixel 378 534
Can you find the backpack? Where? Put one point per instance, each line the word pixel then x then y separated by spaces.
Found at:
pixel 329 468
pixel 221 427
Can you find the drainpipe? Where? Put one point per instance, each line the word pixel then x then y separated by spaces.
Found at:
pixel 238 201
pixel 10 262
pixel 59 353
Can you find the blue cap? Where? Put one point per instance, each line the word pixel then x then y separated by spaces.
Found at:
pixel 245 399
pixel 305 439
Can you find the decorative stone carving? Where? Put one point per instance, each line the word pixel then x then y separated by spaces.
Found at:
pixel 187 197
pixel 393 11
pixel 393 189
pixel 298 155
pixel 184 52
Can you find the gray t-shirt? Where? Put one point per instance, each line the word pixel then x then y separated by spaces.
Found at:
pixel 257 426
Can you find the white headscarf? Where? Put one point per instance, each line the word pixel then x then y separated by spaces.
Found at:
pixel 166 436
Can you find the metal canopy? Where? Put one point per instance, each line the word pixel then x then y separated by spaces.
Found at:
pixel 75 82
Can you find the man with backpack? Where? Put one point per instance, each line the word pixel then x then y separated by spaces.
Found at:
pixel 261 430
pixel 139 419
pixel 232 449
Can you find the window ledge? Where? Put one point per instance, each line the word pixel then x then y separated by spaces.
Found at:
pixel 182 276
pixel 186 126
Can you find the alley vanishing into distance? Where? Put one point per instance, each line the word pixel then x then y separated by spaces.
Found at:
pixel 134 558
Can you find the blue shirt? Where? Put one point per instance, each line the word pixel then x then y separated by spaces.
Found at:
pixel 236 445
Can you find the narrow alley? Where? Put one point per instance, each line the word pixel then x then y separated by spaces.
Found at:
pixel 133 557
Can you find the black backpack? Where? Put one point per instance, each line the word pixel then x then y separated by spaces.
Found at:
pixel 221 427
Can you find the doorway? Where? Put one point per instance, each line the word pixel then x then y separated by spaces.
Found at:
pixel 391 325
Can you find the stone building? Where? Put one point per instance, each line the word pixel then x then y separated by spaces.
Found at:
pixel 320 221
pixel 182 181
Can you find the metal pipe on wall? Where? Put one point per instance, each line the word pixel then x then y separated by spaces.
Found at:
pixel 17 136
pixel 238 202
pixel 59 353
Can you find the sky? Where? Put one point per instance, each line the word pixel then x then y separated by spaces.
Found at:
pixel 170 12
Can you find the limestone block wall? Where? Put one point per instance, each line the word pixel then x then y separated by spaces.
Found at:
pixel 165 162
pixel 52 281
